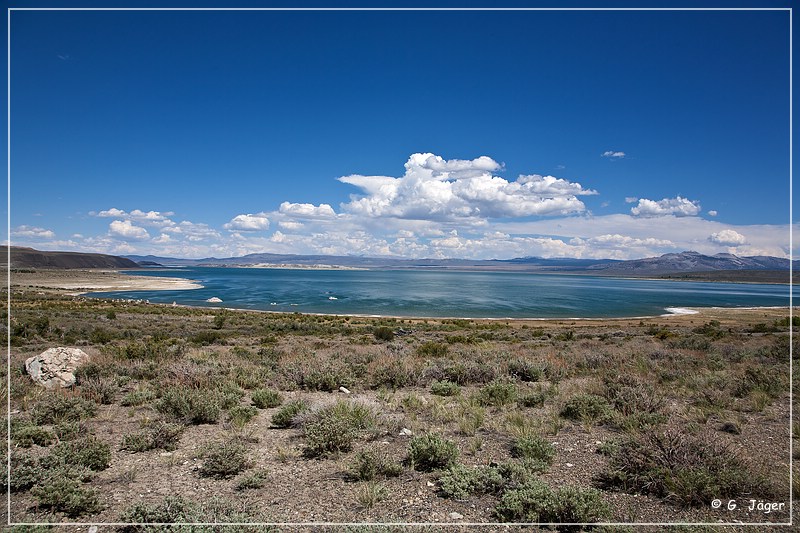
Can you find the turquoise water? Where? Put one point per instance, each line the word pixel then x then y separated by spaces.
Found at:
pixel 450 294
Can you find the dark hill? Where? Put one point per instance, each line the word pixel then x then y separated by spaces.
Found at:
pixel 30 258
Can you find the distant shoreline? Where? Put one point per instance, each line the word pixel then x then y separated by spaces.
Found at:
pixel 96 280
pixel 85 282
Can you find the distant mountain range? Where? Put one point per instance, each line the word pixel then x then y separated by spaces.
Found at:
pixel 690 265
pixel 675 263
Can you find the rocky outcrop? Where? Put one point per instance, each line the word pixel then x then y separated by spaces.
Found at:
pixel 55 367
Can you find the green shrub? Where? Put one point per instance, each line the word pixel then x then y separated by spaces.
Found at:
pixel 371 464
pixel 286 414
pixel 99 390
pixel 536 502
pixel 68 430
pixel 136 398
pixel 431 451
pixel 587 408
pixel 87 452
pixel 370 493
pixel 535 399
pixel 334 428
pixel 254 480
pixel 395 374
pixel 158 435
pixel 630 395
pixel 770 381
pixel 383 333
pixel 325 377
pixel 204 338
pixel 498 393
pixel 25 472
pixel 241 414
pixel 692 470
pixel 432 349
pixel 56 408
pixel 26 436
pixel 266 398
pixel 710 329
pixel 460 482
pixel 67 495
pixel 224 460
pixel 445 388
pixel 229 394
pixel 519 472
pixel 533 447
pixel 191 406
pixel 136 442
pixel 173 509
pixel 525 370
pixel 87 372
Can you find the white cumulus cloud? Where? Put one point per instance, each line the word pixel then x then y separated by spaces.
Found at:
pixel 613 154
pixel 436 189
pixel 679 207
pixel 712 213
pixel 728 237
pixel 125 230
pixel 307 210
pixel 248 222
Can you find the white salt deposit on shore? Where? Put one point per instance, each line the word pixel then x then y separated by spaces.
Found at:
pixel 680 311
pixel 83 281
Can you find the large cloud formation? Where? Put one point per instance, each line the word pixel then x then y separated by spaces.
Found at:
pixel 436 189
pixel 457 208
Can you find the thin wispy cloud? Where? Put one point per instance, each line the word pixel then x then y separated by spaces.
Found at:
pixel 32 232
pixel 613 154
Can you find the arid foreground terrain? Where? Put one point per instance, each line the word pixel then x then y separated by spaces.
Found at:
pixel 201 415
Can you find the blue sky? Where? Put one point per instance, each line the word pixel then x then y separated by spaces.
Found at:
pixel 417 134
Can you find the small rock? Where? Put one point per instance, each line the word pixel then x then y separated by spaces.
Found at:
pixel 405 432
pixel 430 484
pixel 93 529
pixel 344 390
pixel 455 516
pixel 165 454
pixel 570 465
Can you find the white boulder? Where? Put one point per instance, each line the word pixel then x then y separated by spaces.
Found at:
pixel 55 367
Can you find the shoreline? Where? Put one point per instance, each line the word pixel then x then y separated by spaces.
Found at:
pixel 702 312
pixel 89 281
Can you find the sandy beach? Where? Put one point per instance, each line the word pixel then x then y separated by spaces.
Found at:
pixel 82 281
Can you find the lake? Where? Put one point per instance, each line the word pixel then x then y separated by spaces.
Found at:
pixel 450 294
